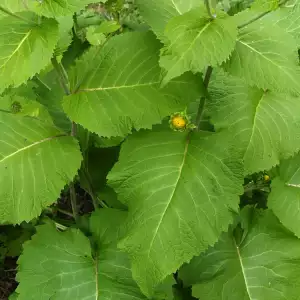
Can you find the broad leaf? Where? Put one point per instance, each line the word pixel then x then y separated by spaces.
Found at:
pixel 117 88
pixel 60 265
pixel 266 56
pixel 265 125
pixel 284 199
pixel 158 13
pixel 181 190
pixel 25 47
pixel 263 265
pixel 36 161
pixel 196 41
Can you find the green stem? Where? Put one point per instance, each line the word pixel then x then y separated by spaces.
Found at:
pixel 203 99
pixel 260 16
pixel 73 199
pixel 208 9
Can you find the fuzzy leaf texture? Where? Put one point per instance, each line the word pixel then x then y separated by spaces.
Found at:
pixel 181 190
pixel 117 87
pixel 59 265
pixel 36 161
pixel 196 42
pixel 263 265
pixel 265 125
pixel 284 198
pixel 158 13
pixel 25 48
pixel 266 56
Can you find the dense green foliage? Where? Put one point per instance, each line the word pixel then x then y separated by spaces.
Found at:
pixel 149 149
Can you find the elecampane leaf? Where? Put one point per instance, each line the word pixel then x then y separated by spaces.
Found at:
pixel 181 189
pixel 117 88
pixel 25 47
pixel 265 125
pixel 252 59
pixel 158 13
pixel 196 41
pixel 264 265
pixel 36 161
pixel 284 198
pixel 59 265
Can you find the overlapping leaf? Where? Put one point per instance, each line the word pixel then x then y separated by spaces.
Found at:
pixel 266 56
pixel 36 161
pixel 61 265
pixel 284 199
pixel 158 13
pixel 265 124
pixel 180 189
pixel 263 265
pixel 196 41
pixel 117 88
pixel 25 47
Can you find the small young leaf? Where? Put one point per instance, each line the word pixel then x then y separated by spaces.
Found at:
pixel 36 161
pixel 196 41
pixel 117 87
pixel 264 265
pixel 25 47
pixel 185 187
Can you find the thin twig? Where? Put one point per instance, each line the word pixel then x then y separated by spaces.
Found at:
pixel 73 199
pixel 203 99
pixel 40 81
pixel 260 16
pixel 62 78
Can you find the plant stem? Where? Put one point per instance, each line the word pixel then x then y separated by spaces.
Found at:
pixel 260 16
pixel 203 99
pixel 208 9
pixel 73 199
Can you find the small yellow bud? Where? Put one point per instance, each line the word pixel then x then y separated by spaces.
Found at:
pixel 179 122
pixel 266 177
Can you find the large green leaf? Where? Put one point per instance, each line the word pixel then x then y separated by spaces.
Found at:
pixel 117 87
pixel 266 56
pixel 25 47
pixel 158 13
pixel 196 41
pixel 263 265
pixel 181 190
pixel 265 124
pixel 36 161
pixel 284 199
pixel 48 8
pixel 60 265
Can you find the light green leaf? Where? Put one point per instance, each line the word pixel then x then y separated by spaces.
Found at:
pixel 289 20
pixel 265 5
pixel 265 125
pixel 158 13
pixel 65 34
pixel 25 48
pixel 117 88
pixel 263 265
pixel 108 27
pixel 284 198
pixel 196 41
pixel 57 8
pixel 252 59
pixel 59 265
pixel 181 190
pixel 93 37
pixel 36 161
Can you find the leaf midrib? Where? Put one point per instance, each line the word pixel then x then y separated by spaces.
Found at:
pixel 188 139
pixel 31 145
